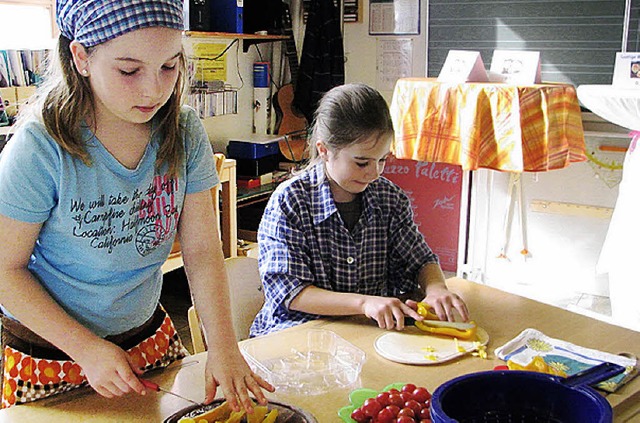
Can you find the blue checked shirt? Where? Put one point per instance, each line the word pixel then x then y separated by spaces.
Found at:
pixel 303 241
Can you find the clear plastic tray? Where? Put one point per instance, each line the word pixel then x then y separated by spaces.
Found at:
pixel 308 365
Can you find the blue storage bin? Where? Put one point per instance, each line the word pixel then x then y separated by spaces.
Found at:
pixel 252 150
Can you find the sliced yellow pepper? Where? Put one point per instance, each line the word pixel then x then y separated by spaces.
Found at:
pixel 271 417
pixel 423 310
pixel 258 414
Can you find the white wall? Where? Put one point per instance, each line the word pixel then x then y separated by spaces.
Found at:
pixel 360 49
pixel 240 76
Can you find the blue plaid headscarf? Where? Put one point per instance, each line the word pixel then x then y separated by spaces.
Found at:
pixel 92 22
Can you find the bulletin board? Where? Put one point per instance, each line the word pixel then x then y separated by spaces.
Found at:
pixel 435 191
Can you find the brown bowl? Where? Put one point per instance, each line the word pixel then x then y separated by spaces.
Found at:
pixel 286 413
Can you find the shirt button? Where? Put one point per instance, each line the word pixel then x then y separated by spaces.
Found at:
pixel 350 260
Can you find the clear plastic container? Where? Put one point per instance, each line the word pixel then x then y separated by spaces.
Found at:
pixel 308 365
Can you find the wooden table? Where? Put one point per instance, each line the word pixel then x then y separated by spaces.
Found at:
pixel 502 314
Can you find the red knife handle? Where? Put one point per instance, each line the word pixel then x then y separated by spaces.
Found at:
pixel 151 385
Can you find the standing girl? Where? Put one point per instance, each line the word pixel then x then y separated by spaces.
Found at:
pixel 338 239
pixel 102 174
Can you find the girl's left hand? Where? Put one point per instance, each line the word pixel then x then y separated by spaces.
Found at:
pixel 228 370
pixel 444 302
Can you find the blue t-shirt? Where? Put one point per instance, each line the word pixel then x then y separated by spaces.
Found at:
pixel 107 229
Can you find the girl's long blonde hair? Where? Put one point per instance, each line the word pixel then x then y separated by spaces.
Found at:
pixel 65 99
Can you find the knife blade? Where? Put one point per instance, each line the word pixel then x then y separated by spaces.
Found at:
pixel 441 323
pixel 155 387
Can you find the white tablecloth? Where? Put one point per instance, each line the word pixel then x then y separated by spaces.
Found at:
pixel 620 105
pixel 620 253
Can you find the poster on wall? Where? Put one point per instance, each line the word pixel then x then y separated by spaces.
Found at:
pixel 394 61
pixel 394 17
pixel 434 190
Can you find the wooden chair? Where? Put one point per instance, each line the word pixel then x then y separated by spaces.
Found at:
pixel 245 292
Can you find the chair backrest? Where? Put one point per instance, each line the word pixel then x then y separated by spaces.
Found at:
pixel 245 289
pixel 245 292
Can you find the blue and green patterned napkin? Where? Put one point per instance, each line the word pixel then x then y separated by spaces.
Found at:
pixel 564 356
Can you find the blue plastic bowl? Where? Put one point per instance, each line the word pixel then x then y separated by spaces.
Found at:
pixel 508 396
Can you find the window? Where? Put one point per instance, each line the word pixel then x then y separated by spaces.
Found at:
pixel 27 24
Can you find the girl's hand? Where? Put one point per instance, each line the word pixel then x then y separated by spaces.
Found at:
pixel 228 370
pixel 389 312
pixel 109 369
pixel 444 302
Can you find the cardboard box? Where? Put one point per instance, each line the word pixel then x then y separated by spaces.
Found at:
pixel 10 99
pixel 244 182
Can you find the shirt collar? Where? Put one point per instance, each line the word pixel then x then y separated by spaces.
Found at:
pixel 323 204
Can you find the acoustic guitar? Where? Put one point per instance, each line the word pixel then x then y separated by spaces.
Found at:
pixel 290 123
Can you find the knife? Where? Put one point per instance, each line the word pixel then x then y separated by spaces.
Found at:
pixel 155 387
pixel 441 323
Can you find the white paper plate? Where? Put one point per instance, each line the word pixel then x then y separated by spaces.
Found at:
pixel 413 346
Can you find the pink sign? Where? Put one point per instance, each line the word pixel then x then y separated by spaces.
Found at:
pixel 434 190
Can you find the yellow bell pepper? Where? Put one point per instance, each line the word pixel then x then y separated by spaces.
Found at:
pixel 442 328
pixel 271 417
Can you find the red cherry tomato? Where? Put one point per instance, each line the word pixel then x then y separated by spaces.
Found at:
pixel 421 394
pixel 393 391
pixel 406 396
pixel 405 419
pixel 385 416
pixel 425 421
pixel 371 407
pixel 358 416
pixel 425 414
pixel 394 409
pixel 396 399
pixel 414 405
pixel 383 398
pixel 406 411
pixel 409 387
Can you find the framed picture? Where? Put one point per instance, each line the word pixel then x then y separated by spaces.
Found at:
pixel 394 17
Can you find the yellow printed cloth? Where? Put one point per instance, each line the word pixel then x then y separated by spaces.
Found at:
pixel 488 125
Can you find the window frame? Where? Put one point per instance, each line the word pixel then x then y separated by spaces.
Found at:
pixel 49 4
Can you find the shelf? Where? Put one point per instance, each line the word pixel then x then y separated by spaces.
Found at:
pixel 248 196
pixel 247 39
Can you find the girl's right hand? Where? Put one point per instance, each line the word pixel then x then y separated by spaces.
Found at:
pixel 109 369
pixel 389 312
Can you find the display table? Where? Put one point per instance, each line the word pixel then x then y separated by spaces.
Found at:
pixel 501 314
pixel 619 105
pixel 488 125
pixel 619 252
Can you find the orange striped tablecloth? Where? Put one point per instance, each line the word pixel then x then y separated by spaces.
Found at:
pixel 488 125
